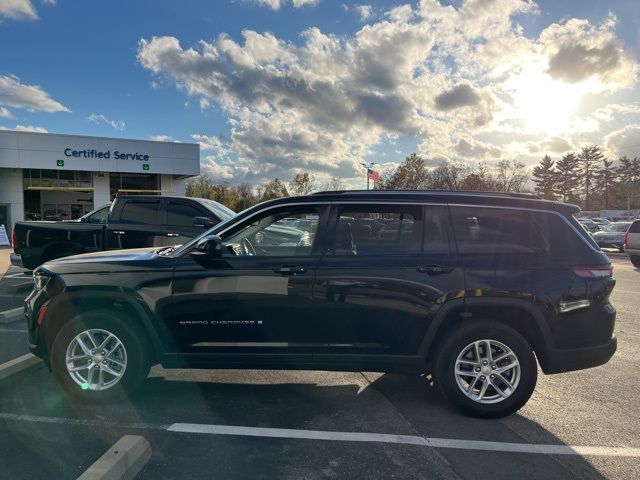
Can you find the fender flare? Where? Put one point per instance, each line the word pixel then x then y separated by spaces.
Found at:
pixel 462 304
pixel 145 318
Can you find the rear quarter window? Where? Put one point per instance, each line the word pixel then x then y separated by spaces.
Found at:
pixel 494 231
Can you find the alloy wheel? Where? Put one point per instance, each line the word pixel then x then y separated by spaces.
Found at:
pixel 96 359
pixel 487 371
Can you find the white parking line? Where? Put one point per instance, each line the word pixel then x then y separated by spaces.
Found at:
pixel 13 330
pixel 287 433
pixel 548 449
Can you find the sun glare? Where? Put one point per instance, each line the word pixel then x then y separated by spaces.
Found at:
pixel 544 105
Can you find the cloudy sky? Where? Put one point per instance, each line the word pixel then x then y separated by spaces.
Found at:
pixel 272 87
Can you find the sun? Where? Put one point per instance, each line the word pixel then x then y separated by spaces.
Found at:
pixel 542 104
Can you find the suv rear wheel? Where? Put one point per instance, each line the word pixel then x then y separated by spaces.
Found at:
pixel 486 369
pixel 635 259
pixel 97 356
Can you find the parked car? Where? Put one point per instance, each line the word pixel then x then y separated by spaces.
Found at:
pixel 632 243
pixel 612 235
pixel 589 225
pixel 601 221
pixel 130 222
pixel 476 289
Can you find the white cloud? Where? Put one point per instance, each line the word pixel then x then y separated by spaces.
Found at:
pixel 163 138
pixel 98 118
pixel 623 142
pixel 18 10
pixel 26 128
pixel 365 11
pixel 15 94
pixel 276 4
pixel 441 74
pixel 5 113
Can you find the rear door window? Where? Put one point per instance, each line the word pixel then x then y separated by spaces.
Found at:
pixel 635 227
pixel 141 212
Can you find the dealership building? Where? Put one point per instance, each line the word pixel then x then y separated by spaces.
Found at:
pixel 61 177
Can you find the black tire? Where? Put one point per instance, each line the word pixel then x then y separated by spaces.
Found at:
pixel 455 342
pixel 137 355
pixel 635 259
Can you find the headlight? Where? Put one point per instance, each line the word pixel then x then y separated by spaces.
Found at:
pixel 40 281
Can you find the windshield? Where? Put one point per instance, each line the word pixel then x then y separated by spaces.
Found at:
pixel 617 227
pixel 222 212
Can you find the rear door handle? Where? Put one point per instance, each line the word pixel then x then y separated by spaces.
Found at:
pixel 434 269
pixel 173 234
pixel 289 270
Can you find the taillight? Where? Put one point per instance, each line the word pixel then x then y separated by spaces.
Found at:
pixel 593 271
pixel 626 239
pixel 14 238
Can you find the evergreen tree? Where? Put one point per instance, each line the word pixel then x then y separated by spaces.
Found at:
pixel 545 178
pixel 588 159
pixel 605 181
pixel 567 178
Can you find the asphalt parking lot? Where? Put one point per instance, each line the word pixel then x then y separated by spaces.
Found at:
pixel 277 424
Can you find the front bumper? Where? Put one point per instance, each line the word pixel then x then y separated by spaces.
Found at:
pixel 561 360
pixel 16 260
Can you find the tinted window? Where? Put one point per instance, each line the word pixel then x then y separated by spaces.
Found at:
pixel 490 230
pixel 635 227
pixel 145 213
pixel 379 230
pixel 282 232
pixel 182 215
pixel 100 216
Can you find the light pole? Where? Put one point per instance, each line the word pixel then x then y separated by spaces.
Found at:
pixel 368 166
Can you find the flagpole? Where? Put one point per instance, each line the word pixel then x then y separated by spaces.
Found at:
pixel 367 166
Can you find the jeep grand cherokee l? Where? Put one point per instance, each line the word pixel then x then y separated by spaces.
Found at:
pixel 473 288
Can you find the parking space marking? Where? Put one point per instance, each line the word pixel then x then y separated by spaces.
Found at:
pixel 13 330
pixel 287 433
pixel 548 449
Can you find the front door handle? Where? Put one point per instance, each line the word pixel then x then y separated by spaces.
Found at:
pixel 173 234
pixel 289 270
pixel 118 232
pixel 434 269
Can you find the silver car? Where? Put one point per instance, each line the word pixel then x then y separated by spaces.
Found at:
pixel 612 235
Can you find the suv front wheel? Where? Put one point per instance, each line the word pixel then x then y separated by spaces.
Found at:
pixel 97 356
pixel 486 369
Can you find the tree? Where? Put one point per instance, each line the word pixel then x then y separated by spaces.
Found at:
pixel 605 181
pixel 544 176
pixel 333 185
pixel 628 175
pixel 274 189
pixel 511 176
pixel 412 174
pixel 447 176
pixel 567 177
pixel 301 184
pixel 588 159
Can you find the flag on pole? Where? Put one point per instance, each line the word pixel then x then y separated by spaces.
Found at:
pixel 373 175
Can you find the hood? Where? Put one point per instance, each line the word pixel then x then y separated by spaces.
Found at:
pixel 112 261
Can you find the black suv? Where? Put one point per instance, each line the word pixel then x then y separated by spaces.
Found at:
pixel 473 288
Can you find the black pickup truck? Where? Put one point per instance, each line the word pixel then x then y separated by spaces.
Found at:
pixel 132 221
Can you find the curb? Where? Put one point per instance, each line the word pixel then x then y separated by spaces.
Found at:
pixel 18 365
pixel 122 461
pixel 10 316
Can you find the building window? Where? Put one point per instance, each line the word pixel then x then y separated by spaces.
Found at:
pixel 134 184
pixel 57 194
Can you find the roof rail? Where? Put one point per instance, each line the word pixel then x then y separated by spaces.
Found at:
pixel 438 192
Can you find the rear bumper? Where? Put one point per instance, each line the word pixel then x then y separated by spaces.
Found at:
pixel 16 260
pixel 558 361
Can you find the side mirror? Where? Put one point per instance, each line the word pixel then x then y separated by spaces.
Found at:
pixel 203 222
pixel 207 249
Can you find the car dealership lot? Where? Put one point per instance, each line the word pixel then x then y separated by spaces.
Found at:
pixel 42 435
